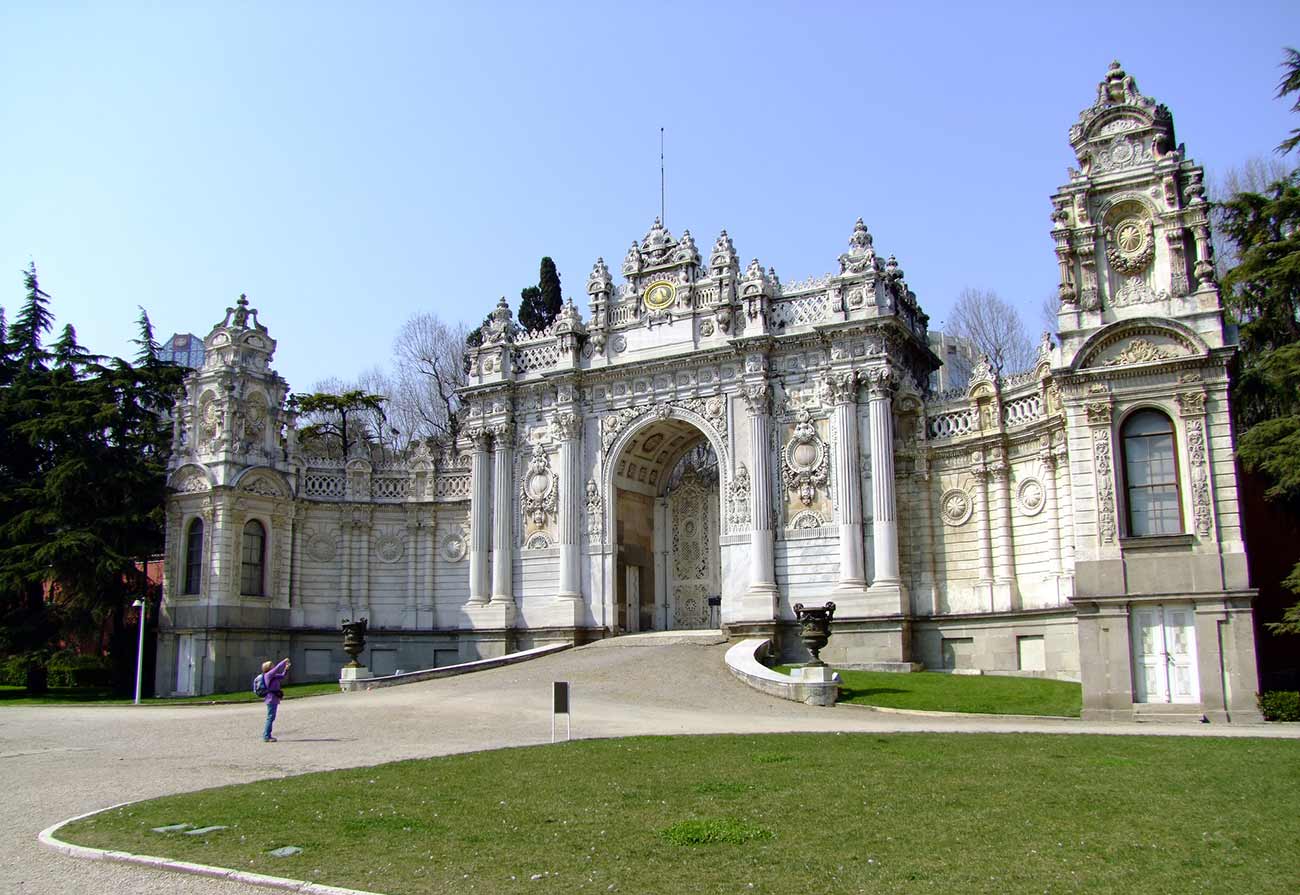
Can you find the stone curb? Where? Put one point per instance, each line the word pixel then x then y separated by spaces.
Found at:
pixel 930 713
pixel 49 840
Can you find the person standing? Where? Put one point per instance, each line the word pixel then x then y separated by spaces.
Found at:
pixel 273 677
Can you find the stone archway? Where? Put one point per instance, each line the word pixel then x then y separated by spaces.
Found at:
pixel 665 527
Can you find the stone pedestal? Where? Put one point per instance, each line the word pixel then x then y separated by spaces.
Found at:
pixel 355 673
pixel 814 674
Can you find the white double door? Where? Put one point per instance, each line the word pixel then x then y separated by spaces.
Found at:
pixel 1164 653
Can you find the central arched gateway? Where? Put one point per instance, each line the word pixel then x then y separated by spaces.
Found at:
pixel 665 527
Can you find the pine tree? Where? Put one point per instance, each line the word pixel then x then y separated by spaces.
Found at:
pixel 539 305
pixel 83 452
pixel 1263 292
pixel 552 300
pixel 531 315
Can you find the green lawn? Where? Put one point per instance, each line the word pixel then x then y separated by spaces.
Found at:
pixel 81 696
pixel 779 814
pixel 982 693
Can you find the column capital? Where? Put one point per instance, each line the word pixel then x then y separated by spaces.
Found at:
pixel 758 397
pixel 881 381
pixel 839 387
pixel 503 436
pixel 480 437
pixel 566 426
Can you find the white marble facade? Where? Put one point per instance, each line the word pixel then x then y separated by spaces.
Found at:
pixel 707 431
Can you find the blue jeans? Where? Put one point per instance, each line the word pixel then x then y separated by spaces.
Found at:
pixel 271 708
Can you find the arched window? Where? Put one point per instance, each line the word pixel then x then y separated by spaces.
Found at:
pixel 250 579
pixel 1151 475
pixel 194 558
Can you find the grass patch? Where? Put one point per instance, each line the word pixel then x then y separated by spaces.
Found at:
pixel 900 813
pixel 979 693
pixel 16 696
pixel 714 830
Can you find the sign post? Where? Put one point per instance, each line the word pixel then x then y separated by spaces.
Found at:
pixel 560 706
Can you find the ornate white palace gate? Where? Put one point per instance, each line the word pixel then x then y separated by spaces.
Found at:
pixel 707 429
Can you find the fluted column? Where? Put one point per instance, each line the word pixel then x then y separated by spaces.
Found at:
pixel 1004 557
pixel 1050 509
pixel 980 473
pixel 840 390
pixel 503 500
pixel 568 426
pixel 885 519
pixel 480 518
pixel 762 561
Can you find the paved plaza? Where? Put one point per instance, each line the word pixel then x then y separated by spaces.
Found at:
pixel 61 762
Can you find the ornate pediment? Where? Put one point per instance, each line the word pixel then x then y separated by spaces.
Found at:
pixel 263 485
pixel 1139 342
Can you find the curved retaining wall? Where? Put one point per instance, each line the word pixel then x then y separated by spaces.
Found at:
pixel 428 674
pixel 742 661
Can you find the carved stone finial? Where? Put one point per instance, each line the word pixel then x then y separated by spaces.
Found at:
pixel 599 281
pixel 724 254
pixel 500 327
pixel 860 257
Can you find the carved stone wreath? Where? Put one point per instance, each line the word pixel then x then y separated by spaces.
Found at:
pixel 955 507
pixel 1031 497
pixel 1130 244
pixel 538 491
pixel 805 460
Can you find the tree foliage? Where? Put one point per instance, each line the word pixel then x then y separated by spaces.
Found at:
pixel 1263 293
pixel 539 305
pixel 84 442
pixel 335 420
pixel 993 327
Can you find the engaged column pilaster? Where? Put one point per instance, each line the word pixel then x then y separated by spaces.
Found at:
pixel 762 563
pixel 880 382
pixel 480 526
pixel 840 390
pixel 503 499
pixel 568 427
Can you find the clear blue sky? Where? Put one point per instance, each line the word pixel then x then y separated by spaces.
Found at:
pixel 349 164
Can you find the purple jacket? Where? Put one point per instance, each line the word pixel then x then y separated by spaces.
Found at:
pixel 274 681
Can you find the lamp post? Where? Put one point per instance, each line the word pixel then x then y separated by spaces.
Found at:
pixel 139 653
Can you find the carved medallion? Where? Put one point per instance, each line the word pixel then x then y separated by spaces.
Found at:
pixel 452 547
pixel 955 506
pixel 1030 497
pixel 389 546
pixel 660 295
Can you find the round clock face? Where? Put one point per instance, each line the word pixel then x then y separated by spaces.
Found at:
pixel 660 295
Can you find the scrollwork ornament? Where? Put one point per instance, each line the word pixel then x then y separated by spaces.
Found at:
pixel 595 510
pixel 1190 403
pixel 538 492
pixel 1105 486
pixel 805 460
pixel 1098 412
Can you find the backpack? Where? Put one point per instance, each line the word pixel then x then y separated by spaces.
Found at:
pixel 259 687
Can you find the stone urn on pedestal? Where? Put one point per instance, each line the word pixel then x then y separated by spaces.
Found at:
pixel 354 641
pixel 815 633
